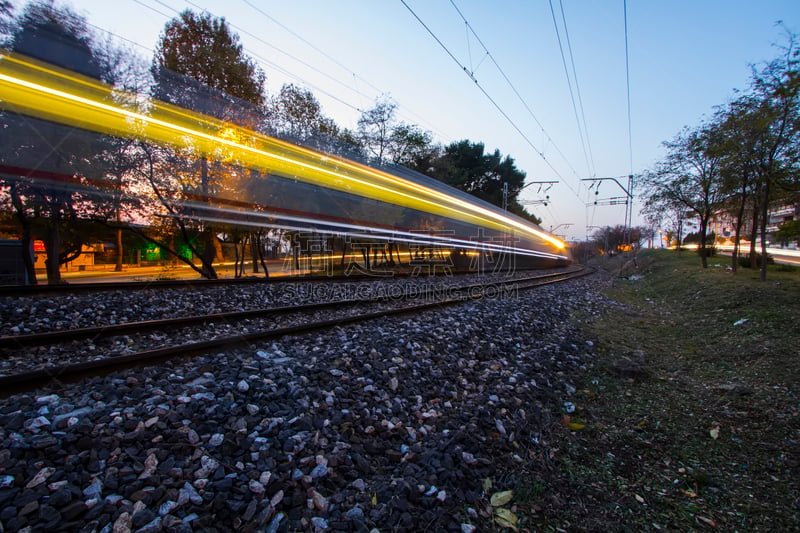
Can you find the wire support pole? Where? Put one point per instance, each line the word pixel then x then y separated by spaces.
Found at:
pixel 628 200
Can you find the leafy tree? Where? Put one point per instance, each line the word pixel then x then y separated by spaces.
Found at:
pixel 199 64
pixel 6 20
pixel 664 211
pixel 739 180
pixel 465 166
pixel 788 231
pixel 690 176
pixel 202 47
pixel 410 146
pixel 48 164
pixel 776 137
pixel 299 115
pixel 613 239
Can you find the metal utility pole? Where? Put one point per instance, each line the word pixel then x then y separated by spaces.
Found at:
pixel 628 201
pixel 528 202
pixel 564 225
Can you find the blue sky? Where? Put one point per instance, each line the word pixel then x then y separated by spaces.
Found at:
pixel 686 56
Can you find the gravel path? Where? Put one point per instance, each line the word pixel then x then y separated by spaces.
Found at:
pixel 389 426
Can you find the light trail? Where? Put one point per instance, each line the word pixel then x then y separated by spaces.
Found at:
pixel 34 88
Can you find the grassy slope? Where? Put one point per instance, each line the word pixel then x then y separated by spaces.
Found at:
pixel 691 421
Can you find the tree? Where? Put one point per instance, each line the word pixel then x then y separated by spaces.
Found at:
pixel 664 211
pixel 411 147
pixel 689 176
pixel 48 164
pixel 202 47
pixel 465 166
pixel 298 114
pixel 199 64
pixel 775 145
pixel 739 180
pixel 788 231
pixel 6 20
pixel 614 239
pixel 375 129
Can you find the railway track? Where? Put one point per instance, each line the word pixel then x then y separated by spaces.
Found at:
pixel 35 359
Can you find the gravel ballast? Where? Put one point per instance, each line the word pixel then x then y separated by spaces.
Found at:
pixel 391 425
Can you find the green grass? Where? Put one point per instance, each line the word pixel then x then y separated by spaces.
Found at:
pixel 717 355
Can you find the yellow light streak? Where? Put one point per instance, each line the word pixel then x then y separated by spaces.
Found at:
pixel 31 87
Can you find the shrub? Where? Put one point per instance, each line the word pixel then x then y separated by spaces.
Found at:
pixel 744 260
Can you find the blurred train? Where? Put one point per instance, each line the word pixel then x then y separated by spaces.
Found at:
pixel 259 181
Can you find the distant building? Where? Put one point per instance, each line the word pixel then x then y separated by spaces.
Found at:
pixel 85 259
pixel 723 225
pixel 780 214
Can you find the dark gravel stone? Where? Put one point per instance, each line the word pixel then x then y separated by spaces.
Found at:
pixel 387 408
pixel 73 510
pixel 60 498
pixel 7 513
pixel 142 518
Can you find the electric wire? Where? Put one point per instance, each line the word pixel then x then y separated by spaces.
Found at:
pixel 577 87
pixel 120 37
pixel 518 95
pixel 277 49
pixel 569 85
pixel 489 97
pixel 342 66
pixel 628 204
pixel 628 84
pixel 309 43
pixel 276 67
pixel 264 60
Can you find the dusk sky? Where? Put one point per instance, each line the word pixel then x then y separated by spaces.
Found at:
pixel 685 56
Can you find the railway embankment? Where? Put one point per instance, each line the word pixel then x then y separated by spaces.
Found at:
pixel 404 423
pixel 690 416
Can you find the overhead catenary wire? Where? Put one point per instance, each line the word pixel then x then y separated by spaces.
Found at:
pixel 569 86
pixel 279 50
pixel 577 88
pixel 518 95
pixel 275 67
pixel 261 58
pixel 341 65
pixel 629 204
pixel 489 97
pixel 628 84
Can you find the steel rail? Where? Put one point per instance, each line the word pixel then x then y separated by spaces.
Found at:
pixel 112 330
pixel 27 380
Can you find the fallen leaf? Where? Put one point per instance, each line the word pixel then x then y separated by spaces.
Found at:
pixel 505 518
pixel 487 485
pixel 501 498
pixel 374 499
pixel 689 493
pixel 576 425
pixel 638 498
pixel 706 521
pixel 714 432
